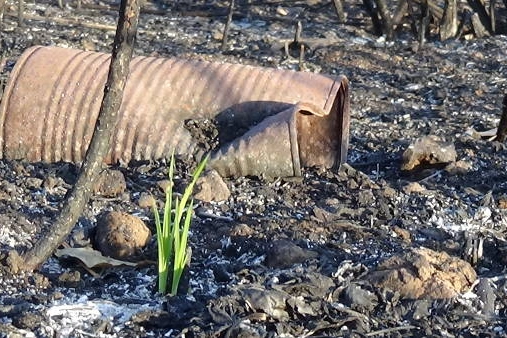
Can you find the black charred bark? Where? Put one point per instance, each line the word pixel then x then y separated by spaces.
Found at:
pixel 501 133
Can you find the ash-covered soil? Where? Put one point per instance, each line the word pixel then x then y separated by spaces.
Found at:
pixel 290 257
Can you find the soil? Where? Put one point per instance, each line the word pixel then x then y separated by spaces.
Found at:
pixel 289 257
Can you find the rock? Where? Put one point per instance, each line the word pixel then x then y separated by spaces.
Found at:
pixel 404 234
pixel 359 299
pixel 14 262
pixel 502 202
pixel 120 235
pixel 211 187
pixel 365 198
pixel 34 182
pixel 422 273
pixel 110 183
pixel 428 150
pixel 458 168
pixel 413 187
pixel 164 185
pixel 485 289
pixel 70 279
pixel 389 192
pixel 29 320
pixel 271 302
pixel 242 230
pixel 283 254
pixel 146 200
pixel 51 181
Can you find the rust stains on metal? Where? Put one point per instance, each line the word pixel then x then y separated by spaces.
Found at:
pixel 293 119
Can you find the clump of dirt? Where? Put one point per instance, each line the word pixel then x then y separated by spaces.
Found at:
pixel 424 274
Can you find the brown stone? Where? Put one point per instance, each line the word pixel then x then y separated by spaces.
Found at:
pixel 211 187
pixel 458 168
pixel 110 183
pixel 413 187
pixel 120 235
pixel 242 229
pixel 146 200
pixel 404 234
pixel 164 185
pixel 502 202
pixel 422 273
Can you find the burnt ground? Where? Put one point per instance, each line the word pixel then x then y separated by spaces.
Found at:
pixel 283 258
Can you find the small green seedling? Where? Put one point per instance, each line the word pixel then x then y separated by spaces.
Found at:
pixel 172 232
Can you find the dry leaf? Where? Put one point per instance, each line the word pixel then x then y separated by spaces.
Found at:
pixel 92 258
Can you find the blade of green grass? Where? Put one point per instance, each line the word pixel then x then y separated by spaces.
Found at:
pixel 172 236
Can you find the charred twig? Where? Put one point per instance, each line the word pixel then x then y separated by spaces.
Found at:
pixel 424 23
pixel 479 9
pixel 375 19
pixel 479 29
pixel 298 46
pixel 338 6
pixel 2 6
pixel 227 26
pixel 390 330
pixel 400 12
pixel 449 23
pixel 65 21
pixel 301 57
pixel 492 16
pixel 21 5
pixel 501 132
pixel 100 143
pixel 297 34
pixel 436 11
pixel 387 22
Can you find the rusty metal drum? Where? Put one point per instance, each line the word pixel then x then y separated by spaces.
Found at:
pixel 291 119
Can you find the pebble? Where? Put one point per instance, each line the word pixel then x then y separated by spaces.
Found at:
pixel 211 187
pixel 110 183
pixel 146 200
pixel 413 187
pixel 283 254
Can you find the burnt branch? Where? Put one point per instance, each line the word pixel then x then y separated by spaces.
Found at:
pixel 227 26
pixel 387 22
pixel 375 19
pixel 99 146
pixel 2 6
pixel 449 23
pixel 21 9
pixel 492 16
pixel 479 8
pixel 501 132
pixel 338 6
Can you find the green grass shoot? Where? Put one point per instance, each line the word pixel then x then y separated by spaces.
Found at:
pixel 172 231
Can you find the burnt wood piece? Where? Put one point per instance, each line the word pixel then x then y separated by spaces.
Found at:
pixel 479 8
pixel 501 132
pixel 338 6
pixel 387 21
pixel 449 23
pixel 21 6
pixel 2 7
pixel 401 10
pixel 424 22
pixel 369 5
pixel 492 16
pixel 227 26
